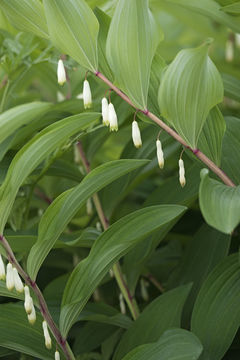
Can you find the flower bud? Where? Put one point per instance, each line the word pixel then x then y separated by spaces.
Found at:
pixel 57 355
pixel 122 304
pixel 112 117
pixel 9 277
pixel 87 96
pixel 28 303
pixel 32 316
pixel 105 111
pixel 2 269
pixel 229 51
pixel 182 179
pixel 136 135
pixel 17 281
pixel 61 73
pixel 48 341
pixel 160 154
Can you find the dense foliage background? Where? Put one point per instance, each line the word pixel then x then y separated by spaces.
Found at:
pixel 145 269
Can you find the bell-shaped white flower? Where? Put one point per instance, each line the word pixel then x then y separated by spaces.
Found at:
pixel 136 135
pixel 28 302
pixel 48 341
pixel 9 277
pixel 32 316
pixel 17 281
pixel 112 117
pixel 2 269
pixel 182 179
pixel 105 111
pixel 160 155
pixel 57 355
pixel 87 95
pixel 229 51
pixel 61 73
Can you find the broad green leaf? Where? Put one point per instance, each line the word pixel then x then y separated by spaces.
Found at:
pixel 62 210
pixel 131 45
pixel 210 140
pixel 232 9
pixel 175 344
pixel 216 314
pixel 191 74
pixel 147 328
pixel 26 15
pixel 219 203
pixel 226 2
pixel 11 120
pixel 34 152
pixel 73 29
pixel 231 149
pixel 122 236
pixel 204 251
pixel 211 9
pixel 17 334
pixel 231 86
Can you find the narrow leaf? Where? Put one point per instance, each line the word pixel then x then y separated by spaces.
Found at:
pixel 232 9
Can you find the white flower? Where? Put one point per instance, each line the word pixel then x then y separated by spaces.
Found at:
pixel 57 355
pixel 182 179
pixel 229 51
pixel 136 135
pixel 2 269
pixel 9 277
pixel 112 117
pixel 105 111
pixel 48 341
pixel 28 302
pixel 87 96
pixel 61 73
pixel 160 155
pixel 89 207
pixel 17 281
pixel 32 316
pixel 122 304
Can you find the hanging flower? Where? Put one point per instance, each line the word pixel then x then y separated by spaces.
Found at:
pixel 32 316
pixel 136 135
pixel 28 302
pixel 105 111
pixel 61 73
pixel 48 341
pixel 57 355
pixel 160 155
pixel 182 179
pixel 112 117
pixel 9 277
pixel 17 281
pixel 87 96
pixel 2 269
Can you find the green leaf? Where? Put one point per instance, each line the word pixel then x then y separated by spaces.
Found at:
pixel 147 328
pixel 34 152
pixel 216 314
pixel 131 45
pixel 210 140
pixel 231 86
pixel 62 210
pixel 232 9
pixel 73 29
pixel 122 236
pixel 181 101
pixel 17 334
pixel 219 203
pixel 211 9
pixel 26 15
pixel 173 344
pixel 13 119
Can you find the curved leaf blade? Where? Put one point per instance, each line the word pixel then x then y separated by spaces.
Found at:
pixel 62 210
pixel 129 52
pixel 216 313
pixel 73 29
pixel 219 203
pixel 109 247
pixel 191 74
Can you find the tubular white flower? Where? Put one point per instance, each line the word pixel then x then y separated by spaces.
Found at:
pixel 17 281
pixel 105 111
pixel 9 277
pixel 28 303
pixel 61 73
pixel 160 155
pixel 182 179
pixel 2 269
pixel 229 51
pixel 48 341
pixel 87 96
pixel 136 135
pixel 112 117
pixel 57 355
pixel 32 316
pixel 122 304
